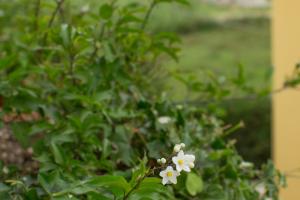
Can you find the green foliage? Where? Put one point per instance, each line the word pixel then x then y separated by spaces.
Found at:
pixel 87 74
pixel 194 184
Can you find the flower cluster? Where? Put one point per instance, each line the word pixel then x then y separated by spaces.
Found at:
pixel 180 161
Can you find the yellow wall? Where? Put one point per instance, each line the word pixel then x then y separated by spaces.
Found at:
pixel 286 105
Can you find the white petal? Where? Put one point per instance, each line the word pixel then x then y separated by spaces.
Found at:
pixel 165 180
pixel 169 168
pixel 175 159
pixel 162 173
pixel 173 179
pixel 186 168
pixel 178 167
pixel 180 154
pixel 190 158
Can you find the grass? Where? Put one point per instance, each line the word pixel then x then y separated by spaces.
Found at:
pixel 221 48
pixel 174 17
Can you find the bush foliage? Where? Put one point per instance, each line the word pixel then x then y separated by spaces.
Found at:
pixel 86 73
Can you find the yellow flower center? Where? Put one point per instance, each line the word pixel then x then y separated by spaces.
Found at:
pixel 180 162
pixel 169 174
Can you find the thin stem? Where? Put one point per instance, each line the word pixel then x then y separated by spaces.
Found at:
pixel 37 14
pixel 59 3
pixel 146 19
pixel 94 53
pixel 136 186
pixel 71 66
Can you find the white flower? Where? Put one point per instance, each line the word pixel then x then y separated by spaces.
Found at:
pixel 164 120
pixel 177 148
pixel 183 161
pixel 158 161
pixel 169 175
pixel 163 160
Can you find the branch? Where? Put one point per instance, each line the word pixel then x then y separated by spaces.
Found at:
pixel 136 186
pixel 59 3
pixel 37 14
pixel 146 19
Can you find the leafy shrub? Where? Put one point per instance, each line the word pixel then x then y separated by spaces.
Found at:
pixel 100 125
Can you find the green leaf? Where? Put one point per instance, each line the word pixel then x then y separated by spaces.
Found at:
pixel 106 11
pixel 50 181
pixel 139 171
pixel 194 184
pixel 58 154
pixel 32 194
pixel 151 188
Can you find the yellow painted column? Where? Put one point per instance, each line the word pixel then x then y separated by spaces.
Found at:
pixel 286 105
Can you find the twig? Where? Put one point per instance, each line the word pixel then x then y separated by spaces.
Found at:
pixel 59 3
pixel 140 180
pixel 146 19
pixel 71 67
pixel 94 53
pixel 37 14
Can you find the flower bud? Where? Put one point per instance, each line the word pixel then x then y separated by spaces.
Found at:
pixel 163 160
pixel 177 148
pixel 158 161
pixel 164 120
pixel 179 107
pixel 245 165
pixel 182 145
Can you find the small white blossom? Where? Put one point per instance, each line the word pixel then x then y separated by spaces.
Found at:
pixel 5 170
pixel 158 161
pixel 177 148
pixel 164 120
pixel 163 160
pixel 85 8
pixel 245 165
pixel 183 161
pixel 169 175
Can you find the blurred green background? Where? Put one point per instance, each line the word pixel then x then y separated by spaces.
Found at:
pixel 220 37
